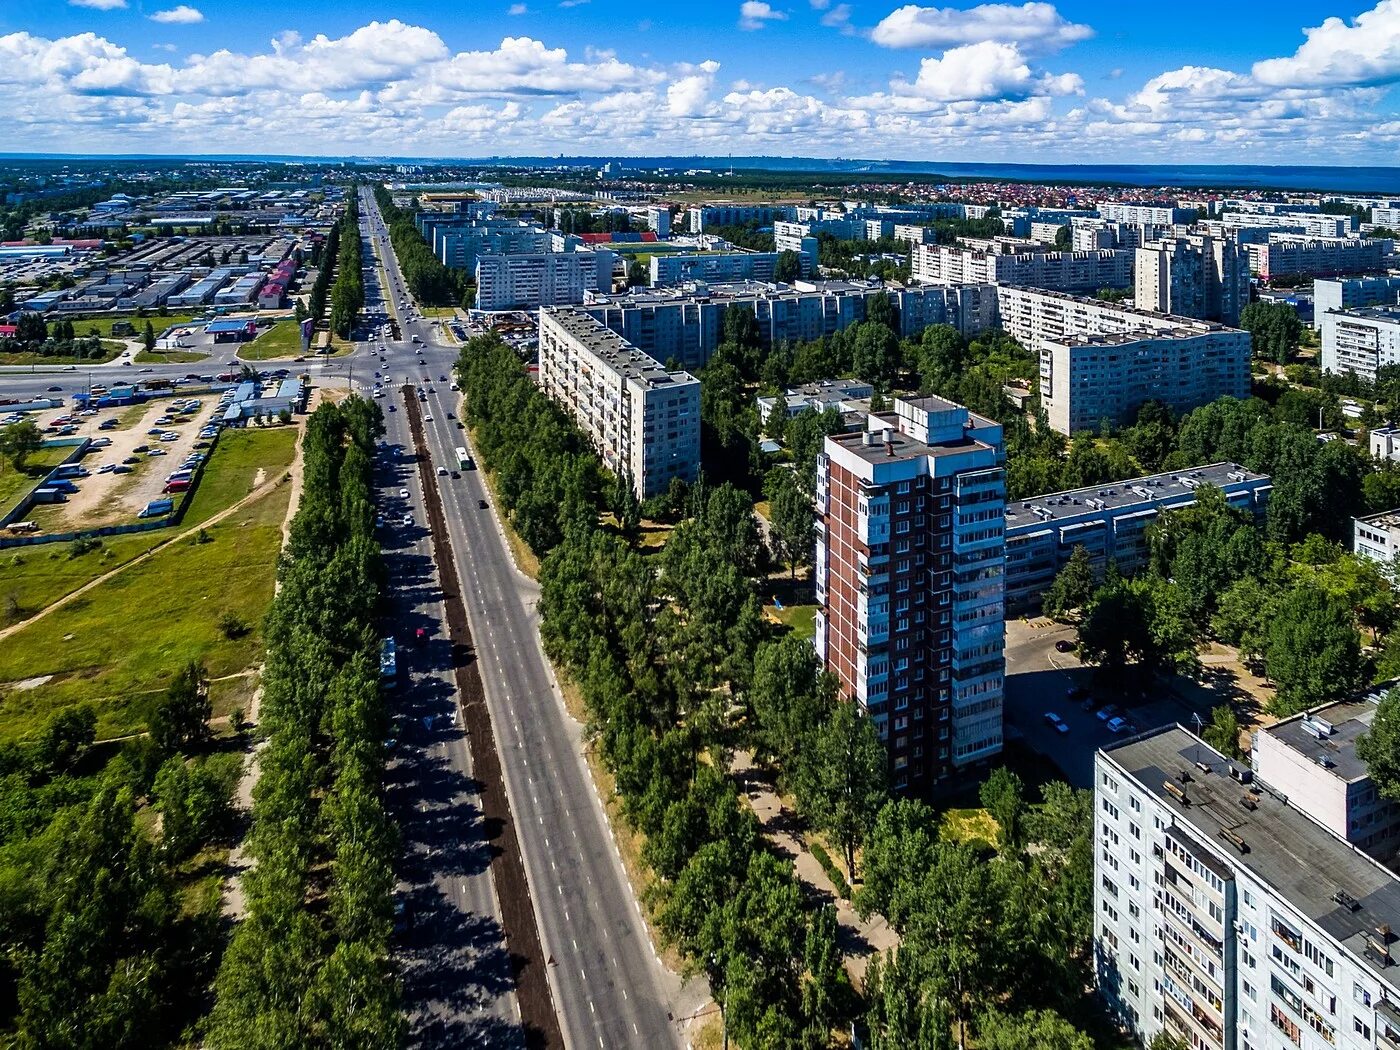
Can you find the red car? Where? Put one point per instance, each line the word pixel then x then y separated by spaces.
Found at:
pixel 420 636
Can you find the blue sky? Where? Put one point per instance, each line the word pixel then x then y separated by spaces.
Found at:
pixel 1029 81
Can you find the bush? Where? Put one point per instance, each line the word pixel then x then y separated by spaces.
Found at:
pixel 82 546
pixel 233 626
pixel 837 877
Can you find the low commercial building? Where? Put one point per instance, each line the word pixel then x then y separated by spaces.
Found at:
pixel 231 331
pixel 1009 263
pixel 643 420
pixel 1227 916
pixel 840 394
pixel 514 282
pixel 1311 759
pixel 1110 522
pixel 1360 341
pixel 712 267
pixel 1291 253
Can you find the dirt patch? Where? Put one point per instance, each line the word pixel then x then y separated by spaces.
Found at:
pixel 518 919
pixel 29 683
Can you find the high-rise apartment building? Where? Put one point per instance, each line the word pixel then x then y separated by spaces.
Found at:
pixel 522 281
pixel 1361 341
pixel 1229 917
pixel 712 267
pixel 1350 293
pixel 1025 264
pixel 1158 214
pixel 1198 276
pixel 1290 253
pixel 643 420
pixel 909 564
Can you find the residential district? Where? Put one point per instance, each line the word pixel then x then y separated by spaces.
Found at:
pixel 646 608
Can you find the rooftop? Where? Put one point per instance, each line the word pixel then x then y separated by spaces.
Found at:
pixel 1301 861
pixel 880 444
pixel 1328 735
pixel 620 356
pixel 1386 519
pixel 1176 486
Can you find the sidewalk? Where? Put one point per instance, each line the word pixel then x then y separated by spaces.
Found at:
pixel 859 938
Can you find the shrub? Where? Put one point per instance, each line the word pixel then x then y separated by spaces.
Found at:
pixel 233 626
pixel 837 877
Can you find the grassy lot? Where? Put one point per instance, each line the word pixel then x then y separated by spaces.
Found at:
pixel 971 827
pixel 42 359
pixel 168 357
pixel 15 484
pixel 103 325
pixel 32 578
pixel 122 642
pixel 281 340
pixel 448 312
pixel 801 618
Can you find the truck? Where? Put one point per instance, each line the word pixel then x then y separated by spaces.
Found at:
pixel 157 508
pixel 388 662
pixel 61 485
pixel 71 470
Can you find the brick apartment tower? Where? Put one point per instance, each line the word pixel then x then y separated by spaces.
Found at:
pixel 909 571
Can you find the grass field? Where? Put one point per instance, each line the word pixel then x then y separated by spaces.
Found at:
pixel 103 325
pixel 281 340
pixel 40 359
pixel 32 578
pixel 169 357
pixel 801 618
pixel 14 484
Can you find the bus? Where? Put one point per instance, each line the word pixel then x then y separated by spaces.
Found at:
pixel 388 662
pixel 464 461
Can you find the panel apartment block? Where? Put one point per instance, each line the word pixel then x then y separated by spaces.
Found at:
pixel 1351 293
pixel 1230 918
pixel 1063 271
pixel 1110 522
pixel 909 564
pixel 712 267
pixel 642 419
pixel 1362 340
pixel 513 282
pixel 1202 277
pixel 1288 253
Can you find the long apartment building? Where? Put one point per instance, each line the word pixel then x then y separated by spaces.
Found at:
pixel 1291 253
pixel 1198 276
pixel 1027 265
pixel 712 267
pixel 1102 360
pixel 705 216
pixel 909 564
pixel 525 280
pixel 1110 522
pixel 458 245
pixel 1350 293
pixel 1155 214
pixel 1229 917
pixel 643 420
pixel 685 324
pixel 1362 340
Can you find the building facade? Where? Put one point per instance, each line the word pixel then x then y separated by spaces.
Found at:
pixel 909 564
pixel 1376 537
pixel 513 282
pixel 1062 271
pixel 1353 293
pixel 1202 277
pixel 643 420
pixel 1227 916
pixel 1153 214
pixel 705 216
pixel 712 267
pixel 1110 522
pixel 1291 253
pixel 1361 341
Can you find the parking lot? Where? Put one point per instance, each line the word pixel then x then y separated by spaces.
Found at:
pixel 1041 680
pixel 131 471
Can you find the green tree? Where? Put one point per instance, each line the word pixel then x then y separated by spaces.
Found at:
pixel 1073 586
pixel 1379 746
pixel 1275 328
pixel 637 274
pixel 826 988
pixel 1042 1029
pixel 65 739
pixel 1003 796
pixel 19 441
pixel 842 782
pixel 1312 650
pixel 793 522
pixel 148 338
pixel 181 716
pixel 1223 732
pixel 788 267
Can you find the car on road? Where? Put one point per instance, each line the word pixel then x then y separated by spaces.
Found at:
pixel 481 503
pixel 1064 645
pixel 380 521
pixel 55 390
pixel 420 637
pixel 442 472
pixel 1055 722
pixel 1119 725
pixel 403 493
pixel 442 379
pixel 427 419
pixel 1075 692
pixel 1106 713
pixel 407 520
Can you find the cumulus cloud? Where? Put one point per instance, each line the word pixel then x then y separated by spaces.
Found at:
pixel 99 5
pixel 1032 26
pixel 1365 52
pixel 184 15
pixel 986 72
pixel 518 9
pixel 690 95
pixel 755 14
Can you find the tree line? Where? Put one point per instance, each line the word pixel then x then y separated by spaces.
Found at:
pixel 33 335
pixel 309 965
pixel 348 292
pixel 430 282
pixel 323 257
pixel 678 671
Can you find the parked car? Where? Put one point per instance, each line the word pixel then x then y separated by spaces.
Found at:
pixel 120 469
pixel 1119 725
pixel 1074 692
pixel 407 520
pixel 132 459
pixel 106 468
pixel 141 448
pixel 1064 645
pixel 1055 722
pixel 403 493
pixel 1107 712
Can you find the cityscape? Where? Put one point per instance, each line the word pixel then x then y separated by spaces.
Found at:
pixel 761 525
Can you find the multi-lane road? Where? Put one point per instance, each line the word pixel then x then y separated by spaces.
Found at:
pixel 608 987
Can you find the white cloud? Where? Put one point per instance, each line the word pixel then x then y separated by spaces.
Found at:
pixel 572 3
pixel 165 47
pixel 1364 53
pixel 518 9
pixel 839 17
pixel 99 5
pixel 1034 26
pixel 184 15
pixel 690 95
pixel 755 14
pixel 819 5
pixel 986 72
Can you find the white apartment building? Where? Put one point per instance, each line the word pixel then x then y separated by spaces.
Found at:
pixel 704 216
pixel 659 221
pixel 712 267
pixel 1152 214
pixel 910 553
pixel 1288 253
pixel 1102 360
pixel 1091 234
pixel 1387 217
pixel 1311 759
pixel 1011 264
pixel 1377 536
pixel 913 234
pixel 1361 341
pixel 1230 918
pixel 1199 276
pixel 643 420
pixel 1349 293
pixel 520 281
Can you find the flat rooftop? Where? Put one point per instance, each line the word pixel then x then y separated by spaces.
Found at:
pixel 1300 860
pixel 1335 751
pixel 1389 314
pixel 1386 519
pixel 901 445
pixel 1177 485
pixel 616 353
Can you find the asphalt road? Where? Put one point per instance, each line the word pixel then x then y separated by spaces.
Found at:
pixel 609 988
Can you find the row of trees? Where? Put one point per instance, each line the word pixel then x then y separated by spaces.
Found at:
pixel 34 336
pixel 431 283
pixel 309 966
pixel 348 292
pixel 99 945
pixel 324 256
pixel 677 670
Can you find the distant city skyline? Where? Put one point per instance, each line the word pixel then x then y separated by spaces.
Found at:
pixel 1074 82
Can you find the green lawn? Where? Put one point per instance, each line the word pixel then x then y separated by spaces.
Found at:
pixel 168 357
pixel 801 618
pixel 103 325
pixel 281 340
pixel 15 484
pixel 121 643
pixel 32 578
pixel 41 359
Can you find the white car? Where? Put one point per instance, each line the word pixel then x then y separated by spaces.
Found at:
pixel 427 419
pixel 407 520
pixel 442 472
pixel 403 493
